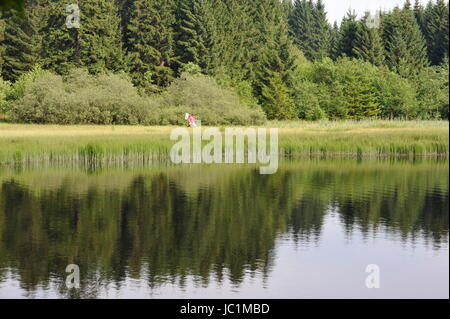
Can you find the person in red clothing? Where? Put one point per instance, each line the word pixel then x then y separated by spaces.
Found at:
pixel 191 120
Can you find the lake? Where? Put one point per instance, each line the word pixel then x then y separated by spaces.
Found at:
pixel 225 231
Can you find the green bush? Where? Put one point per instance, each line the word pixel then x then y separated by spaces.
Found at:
pixel 5 87
pixel 202 96
pixel 306 99
pixel 17 90
pixel 432 92
pixel 350 88
pixel 80 98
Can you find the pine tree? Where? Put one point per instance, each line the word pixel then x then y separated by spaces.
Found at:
pixel 334 40
pixel 2 38
pixel 277 102
pixel 151 42
pixel 238 37
pixel 437 32
pixel 360 100
pixel 404 43
pixel 96 44
pixel 310 29
pixel 322 32
pixel 369 44
pixel 23 45
pixel 277 61
pixel 198 39
pixel 419 14
pixel 301 24
pixel 347 35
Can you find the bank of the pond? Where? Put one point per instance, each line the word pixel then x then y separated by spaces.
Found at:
pixel 111 144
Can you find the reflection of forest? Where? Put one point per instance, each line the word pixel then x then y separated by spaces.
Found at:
pixel 203 221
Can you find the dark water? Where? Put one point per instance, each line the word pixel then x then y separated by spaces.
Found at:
pixel 309 231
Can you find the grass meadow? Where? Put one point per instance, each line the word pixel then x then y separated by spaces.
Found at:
pixel 32 144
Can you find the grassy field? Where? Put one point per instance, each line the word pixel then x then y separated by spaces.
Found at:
pixel 28 144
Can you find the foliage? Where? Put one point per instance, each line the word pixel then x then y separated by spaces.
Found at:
pixel 79 98
pixel 432 92
pixel 202 96
pixel 350 88
pixel 150 42
pixel 5 87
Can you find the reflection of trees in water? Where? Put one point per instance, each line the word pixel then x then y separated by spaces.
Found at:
pixel 167 230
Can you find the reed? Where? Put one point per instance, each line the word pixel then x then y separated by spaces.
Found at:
pixel 22 144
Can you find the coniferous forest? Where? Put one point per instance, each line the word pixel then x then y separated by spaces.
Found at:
pixel 229 62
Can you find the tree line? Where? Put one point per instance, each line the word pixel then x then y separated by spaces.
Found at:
pixel 279 55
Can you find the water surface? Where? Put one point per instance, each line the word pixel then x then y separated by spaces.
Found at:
pixel 227 232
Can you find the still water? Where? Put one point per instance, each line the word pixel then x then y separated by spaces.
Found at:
pixel 310 231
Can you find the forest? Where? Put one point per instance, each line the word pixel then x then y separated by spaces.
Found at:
pixel 236 62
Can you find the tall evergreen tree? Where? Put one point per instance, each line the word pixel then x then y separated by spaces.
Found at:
pixel 151 42
pixel 334 41
pixel 419 13
pixel 347 35
pixel 404 43
pixel 437 32
pixel 322 32
pixel 301 22
pixel 274 74
pixel 368 43
pixel 239 35
pixel 2 38
pixel 310 29
pixel 198 35
pixel 23 45
pixel 96 44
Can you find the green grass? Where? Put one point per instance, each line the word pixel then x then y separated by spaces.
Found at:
pixel 32 144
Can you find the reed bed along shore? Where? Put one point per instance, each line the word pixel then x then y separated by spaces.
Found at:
pixel 90 145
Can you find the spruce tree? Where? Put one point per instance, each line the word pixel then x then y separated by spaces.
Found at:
pixel 2 38
pixel 368 44
pixel 347 35
pixel 23 44
pixel 277 61
pixel 404 43
pixel 198 38
pixel 151 42
pixel 238 37
pixel 310 29
pixel 96 44
pixel 334 40
pixel 301 24
pixel 437 32
pixel 321 36
pixel 419 14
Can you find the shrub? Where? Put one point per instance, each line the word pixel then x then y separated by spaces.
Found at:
pixel 80 98
pixel 432 92
pixel 306 99
pixel 350 88
pixel 17 90
pixel 202 96
pixel 5 87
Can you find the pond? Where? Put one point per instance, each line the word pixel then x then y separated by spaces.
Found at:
pixel 316 229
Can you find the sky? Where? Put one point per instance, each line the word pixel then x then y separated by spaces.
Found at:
pixel 337 8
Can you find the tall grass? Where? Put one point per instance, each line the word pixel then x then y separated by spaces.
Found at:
pixel 95 145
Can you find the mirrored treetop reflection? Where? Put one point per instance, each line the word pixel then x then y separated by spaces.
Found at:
pixel 166 224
